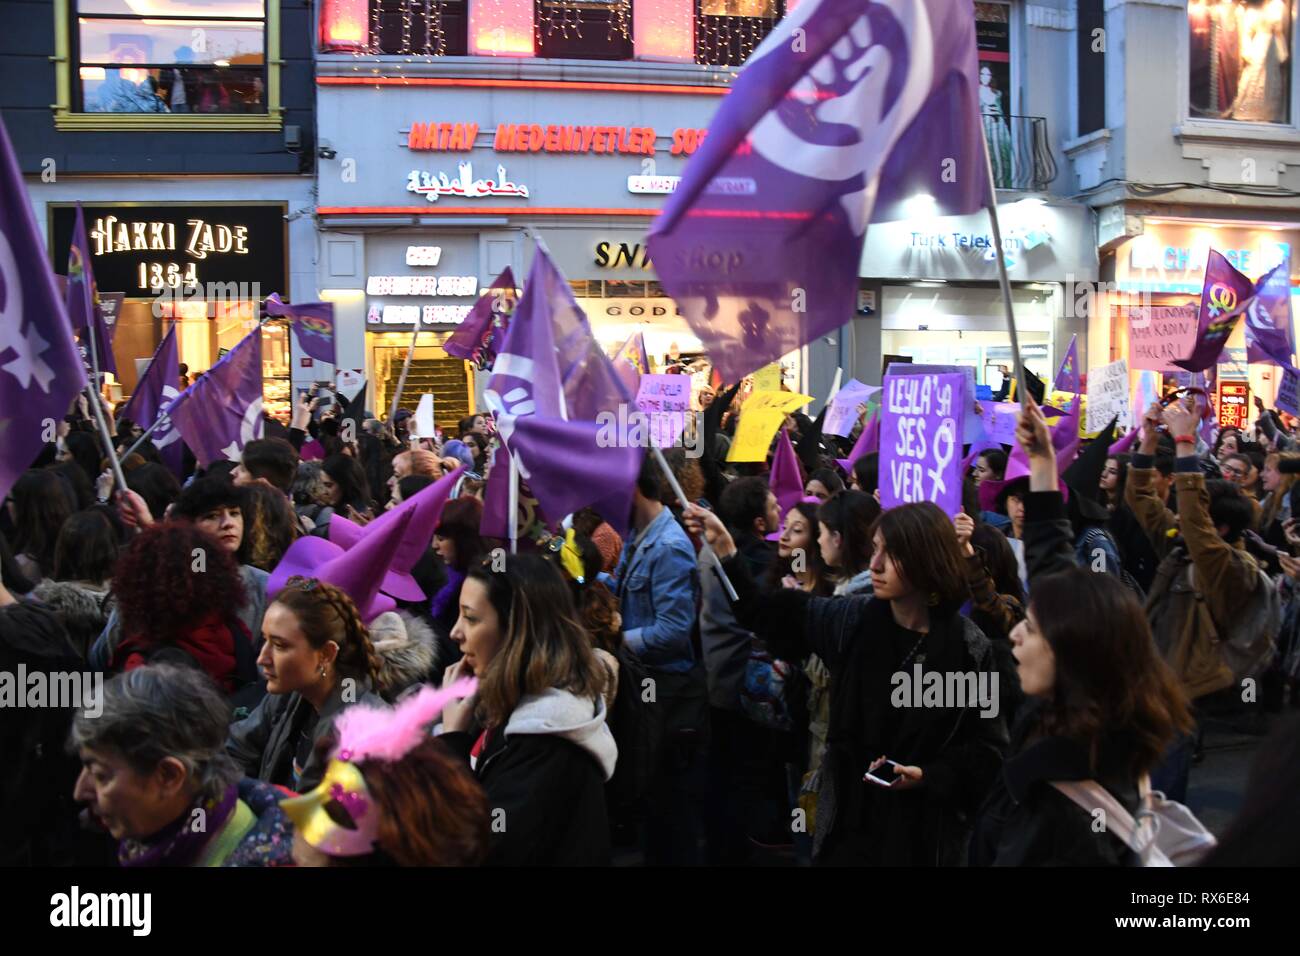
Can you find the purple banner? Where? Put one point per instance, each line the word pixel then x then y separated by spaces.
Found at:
pixel 1269 336
pixel 153 393
pixel 479 337
pixel 1067 376
pixel 313 324
pixel 920 443
pixel 1224 296
pixel 845 113
pixel 222 412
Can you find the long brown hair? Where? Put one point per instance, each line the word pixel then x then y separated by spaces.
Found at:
pixel 326 614
pixel 1279 494
pixel 1110 680
pixel 923 544
pixel 543 642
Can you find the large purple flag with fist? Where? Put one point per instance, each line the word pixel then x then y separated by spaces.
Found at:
pixel 1225 295
pixel 222 412
pixel 312 322
pixel 479 337
pixel 40 370
pixel 153 393
pixel 1268 320
pixel 848 110
pixel 549 385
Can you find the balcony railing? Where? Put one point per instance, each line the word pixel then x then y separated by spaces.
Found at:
pixel 1020 151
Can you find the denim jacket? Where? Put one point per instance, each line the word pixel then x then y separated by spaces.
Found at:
pixel 657 588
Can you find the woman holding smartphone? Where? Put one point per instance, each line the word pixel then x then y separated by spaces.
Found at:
pixel 901 781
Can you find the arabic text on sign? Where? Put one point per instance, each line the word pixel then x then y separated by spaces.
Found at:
pixel 432 186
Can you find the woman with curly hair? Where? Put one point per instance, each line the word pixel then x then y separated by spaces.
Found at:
pixel 318 660
pixel 178 594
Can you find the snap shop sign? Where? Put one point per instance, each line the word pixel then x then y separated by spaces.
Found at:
pixel 144 250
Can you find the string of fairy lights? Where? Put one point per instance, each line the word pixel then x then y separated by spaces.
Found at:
pixel 726 31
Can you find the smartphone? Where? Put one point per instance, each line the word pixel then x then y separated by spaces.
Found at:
pixel 886 775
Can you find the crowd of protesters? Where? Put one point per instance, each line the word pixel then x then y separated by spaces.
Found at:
pixel 711 684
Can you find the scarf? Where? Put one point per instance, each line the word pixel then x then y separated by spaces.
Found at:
pixel 450 592
pixel 177 844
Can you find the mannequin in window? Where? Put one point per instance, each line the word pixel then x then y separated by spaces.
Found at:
pixel 995 127
pixel 1263 49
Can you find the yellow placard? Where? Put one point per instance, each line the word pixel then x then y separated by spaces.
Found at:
pixel 1061 399
pixel 768 378
pixel 760 417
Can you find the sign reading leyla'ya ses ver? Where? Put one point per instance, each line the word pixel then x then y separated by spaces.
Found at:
pixel 920 440
pixel 665 400
pixel 1160 335
pixel 1108 395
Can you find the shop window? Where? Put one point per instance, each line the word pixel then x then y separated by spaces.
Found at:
pixel 1240 60
pixel 727 31
pixel 584 29
pixel 993 43
pixel 167 64
pixel 419 27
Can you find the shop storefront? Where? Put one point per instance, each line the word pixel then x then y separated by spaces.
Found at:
pixel 203 266
pixel 452 185
pixel 930 291
pixel 1164 267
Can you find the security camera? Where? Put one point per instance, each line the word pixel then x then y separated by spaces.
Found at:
pixel 326 152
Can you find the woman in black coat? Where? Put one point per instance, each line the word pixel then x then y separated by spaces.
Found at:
pixel 885 653
pixel 1103 704
pixel 534 732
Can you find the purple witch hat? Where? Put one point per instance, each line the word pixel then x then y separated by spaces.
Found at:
pixel 424 508
pixel 358 573
pixel 1065 439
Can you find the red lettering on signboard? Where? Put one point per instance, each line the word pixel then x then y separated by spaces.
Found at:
pixel 1234 404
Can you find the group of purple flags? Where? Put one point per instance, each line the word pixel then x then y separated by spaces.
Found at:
pixel 550 384
pixel 153 393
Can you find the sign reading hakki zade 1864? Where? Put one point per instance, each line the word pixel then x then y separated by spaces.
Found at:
pixel 146 250
pixel 535 138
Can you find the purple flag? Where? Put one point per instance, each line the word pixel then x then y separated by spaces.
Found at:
pixel 784 480
pixel 153 393
pixel 1224 297
pixel 1268 320
pixel 631 362
pixel 920 454
pixel 1067 376
pixel 313 323
pixel 844 114
pixel 479 337
pixel 83 300
pixel 40 371
pixel 222 412
pixel 549 384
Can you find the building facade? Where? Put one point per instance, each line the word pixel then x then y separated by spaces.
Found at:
pixel 186 130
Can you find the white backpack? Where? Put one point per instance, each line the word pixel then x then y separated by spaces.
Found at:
pixel 1165 833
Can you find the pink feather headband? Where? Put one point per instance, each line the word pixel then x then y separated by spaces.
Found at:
pixel 383 733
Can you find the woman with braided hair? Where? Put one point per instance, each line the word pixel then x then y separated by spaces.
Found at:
pixel 318 660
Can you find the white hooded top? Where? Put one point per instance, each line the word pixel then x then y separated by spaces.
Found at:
pixel 578 720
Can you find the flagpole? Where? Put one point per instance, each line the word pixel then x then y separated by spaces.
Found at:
pixel 1017 364
pixel 96 402
pixel 401 382
pixel 681 496
pixel 513 501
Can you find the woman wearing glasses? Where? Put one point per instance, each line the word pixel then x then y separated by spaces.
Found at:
pixel 318 660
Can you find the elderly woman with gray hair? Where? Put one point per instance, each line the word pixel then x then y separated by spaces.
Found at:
pixel 155 774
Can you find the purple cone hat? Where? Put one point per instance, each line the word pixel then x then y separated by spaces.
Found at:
pixel 357 572
pixel 425 509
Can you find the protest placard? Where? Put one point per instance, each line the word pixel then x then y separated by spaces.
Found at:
pixel 999 420
pixel 971 426
pixel 760 417
pixel 1108 395
pixel 666 400
pixel 1288 396
pixel 843 413
pixel 920 440
pixel 1160 334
